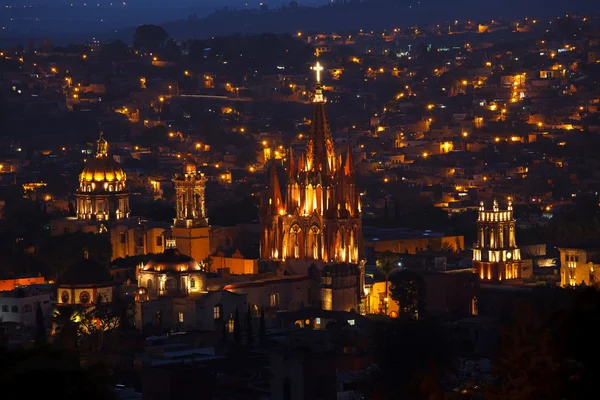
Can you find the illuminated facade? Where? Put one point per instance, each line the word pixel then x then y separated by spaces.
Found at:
pixel 190 226
pixel 496 256
pixel 171 274
pixel 83 283
pixel 102 193
pixel 102 207
pixel 319 219
pixel 578 266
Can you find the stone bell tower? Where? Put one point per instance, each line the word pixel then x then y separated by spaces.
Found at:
pixel 190 226
pixel 496 256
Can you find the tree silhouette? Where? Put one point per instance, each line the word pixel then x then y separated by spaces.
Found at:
pixel 208 262
pixel 262 332
pixel 387 262
pixel 60 252
pixel 237 331
pixel 527 364
pixel 149 38
pixel 224 333
pixel 249 331
pixel 40 330
pixel 407 290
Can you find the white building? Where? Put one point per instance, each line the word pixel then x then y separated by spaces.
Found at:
pixel 20 305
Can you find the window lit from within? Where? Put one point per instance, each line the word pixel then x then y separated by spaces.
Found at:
pixel 474 306
pixel 274 299
pixel 217 311
pixel 318 321
pixel 180 317
pixel 64 297
pixel 192 283
pixel 230 324
pixel 351 322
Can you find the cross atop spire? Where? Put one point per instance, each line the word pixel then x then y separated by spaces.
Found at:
pixel 318 68
pixel 319 91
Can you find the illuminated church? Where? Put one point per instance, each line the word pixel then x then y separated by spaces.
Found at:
pixel 102 206
pixel 316 220
pixel 496 256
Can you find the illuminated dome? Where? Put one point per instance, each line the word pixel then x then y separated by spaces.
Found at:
pixel 172 260
pixel 171 274
pixel 102 173
pixel 83 283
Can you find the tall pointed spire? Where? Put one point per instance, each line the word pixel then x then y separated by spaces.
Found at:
pixel 291 167
pixel 274 195
pixel 320 155
pixel 349 166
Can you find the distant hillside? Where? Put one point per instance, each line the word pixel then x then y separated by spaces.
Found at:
pixel 373 14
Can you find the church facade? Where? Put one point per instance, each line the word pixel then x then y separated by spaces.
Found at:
pixel 102 207
pixel 315 221
pixel 190 227
pixel 496 256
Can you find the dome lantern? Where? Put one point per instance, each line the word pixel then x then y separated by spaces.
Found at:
pixel 101 146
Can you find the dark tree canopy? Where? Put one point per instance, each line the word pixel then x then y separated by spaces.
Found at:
pixel 407 289
pixel 149 37
pixel 60 252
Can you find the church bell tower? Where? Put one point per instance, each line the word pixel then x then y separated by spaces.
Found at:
pixel 190 226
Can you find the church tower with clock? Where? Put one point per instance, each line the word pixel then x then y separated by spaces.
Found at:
pixel 190 226
pixel 496 256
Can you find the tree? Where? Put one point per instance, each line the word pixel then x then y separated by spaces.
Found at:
pixel 116 51
pixel 224 334
pixel 149 38
pixel 153 136
pixel 52 370
pixel 237 332
pixel 95 323
pixel 425 353
pixel 58 253
pixel 208 262
pixel 387 262
pixel 66 329
pixel 407 290
pixel 249 332
pixel 40 329
pixel 262 332
pixel 527 364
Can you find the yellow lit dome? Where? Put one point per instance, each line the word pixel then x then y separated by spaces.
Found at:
pixel 102 173
pixel 172 260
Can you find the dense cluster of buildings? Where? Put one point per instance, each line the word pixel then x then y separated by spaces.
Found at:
pixel 470 129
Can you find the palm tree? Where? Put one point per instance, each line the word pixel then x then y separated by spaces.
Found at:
pixel 387 263
pixel 208 262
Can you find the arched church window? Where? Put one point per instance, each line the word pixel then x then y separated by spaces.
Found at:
pixel 149 284
pixel 192 282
